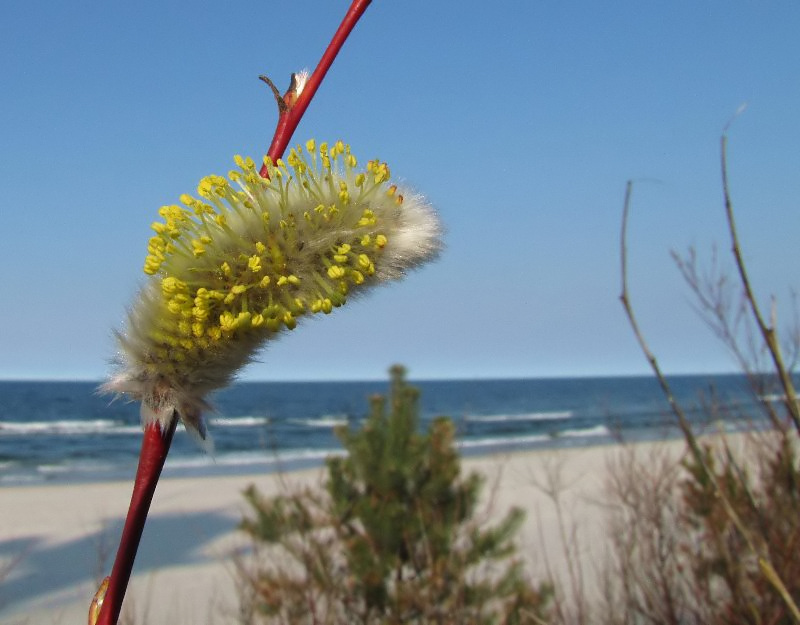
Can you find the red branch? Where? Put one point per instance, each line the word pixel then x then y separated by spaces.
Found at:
pixel 155 443
pixel 155 446
pixel 290 117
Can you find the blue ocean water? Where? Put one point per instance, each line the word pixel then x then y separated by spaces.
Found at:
pixel 66 432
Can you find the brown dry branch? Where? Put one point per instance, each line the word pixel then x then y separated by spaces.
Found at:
pixel 739 564
pixel 768 331
pixel 571 602
pixel 647 536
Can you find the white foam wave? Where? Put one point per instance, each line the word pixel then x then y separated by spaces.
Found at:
pixel 75 466
pixel 238 422
pixel 105 426
pixel 251 458
pixel 327 421
pixel 500 441
pixel 127 429
pixel 52 468
pixel 528 416
pixel 597 430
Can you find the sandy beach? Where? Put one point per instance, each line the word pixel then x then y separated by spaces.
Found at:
pixel 61 539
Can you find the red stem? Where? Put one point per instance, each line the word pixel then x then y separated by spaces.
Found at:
pixel 155 446
pixel 290 118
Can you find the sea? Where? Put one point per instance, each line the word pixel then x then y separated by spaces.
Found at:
pixel 65 432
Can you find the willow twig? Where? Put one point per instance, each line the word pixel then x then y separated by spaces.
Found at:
pixel 290 117
pixel 107 603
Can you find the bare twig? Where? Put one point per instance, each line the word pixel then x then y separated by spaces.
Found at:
pixel 767 330
pixel 282 106
pixel 758 550
pixel 624 297
pixel 290 117
pixel 553 485
pixel 715 297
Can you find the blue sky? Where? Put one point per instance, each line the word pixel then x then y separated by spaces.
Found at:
pixel 521 121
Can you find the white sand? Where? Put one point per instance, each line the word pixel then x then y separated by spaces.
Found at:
pixel 183 572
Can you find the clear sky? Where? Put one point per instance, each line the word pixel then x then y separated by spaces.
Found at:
pixel 520 120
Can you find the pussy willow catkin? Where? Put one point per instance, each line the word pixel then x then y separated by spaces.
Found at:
pixel 250 256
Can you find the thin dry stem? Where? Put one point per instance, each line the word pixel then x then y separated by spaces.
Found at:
pixel 756 549
pixel 767 330
pixel 683 422
pixel 552 484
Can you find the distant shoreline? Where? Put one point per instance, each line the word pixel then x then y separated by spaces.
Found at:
pixel 205 467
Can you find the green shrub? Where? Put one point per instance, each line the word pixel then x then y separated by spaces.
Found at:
pixel 392 538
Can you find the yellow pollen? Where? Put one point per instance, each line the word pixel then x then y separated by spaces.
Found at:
pixel 247 256
pixel 197 248
pixel 227 321
pixel 335 271
pixel 254 264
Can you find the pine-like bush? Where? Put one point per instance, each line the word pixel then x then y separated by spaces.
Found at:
pixel 392 538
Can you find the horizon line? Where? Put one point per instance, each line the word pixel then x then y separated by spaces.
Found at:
pixel 455 378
